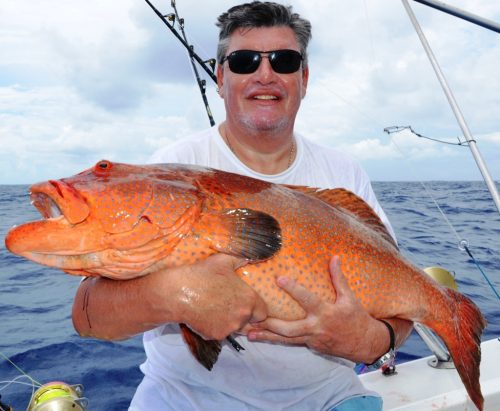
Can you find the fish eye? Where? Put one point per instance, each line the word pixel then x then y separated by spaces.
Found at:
pixel 103 165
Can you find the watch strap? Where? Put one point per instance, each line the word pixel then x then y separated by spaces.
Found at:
pixel 386 361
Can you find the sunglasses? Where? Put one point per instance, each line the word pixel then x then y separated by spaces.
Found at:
pixel 248 61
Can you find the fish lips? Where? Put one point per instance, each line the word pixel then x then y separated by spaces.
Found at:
pixel 38 237
pixel 61 207
pixel 55 198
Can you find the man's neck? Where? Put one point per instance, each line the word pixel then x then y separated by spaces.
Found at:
pixel 266 153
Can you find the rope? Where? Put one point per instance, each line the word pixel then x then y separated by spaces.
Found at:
pixel 397 129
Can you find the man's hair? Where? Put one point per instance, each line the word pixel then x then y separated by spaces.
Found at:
pixel 262 14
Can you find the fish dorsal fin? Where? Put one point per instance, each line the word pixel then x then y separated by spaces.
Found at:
pixel 242 232
pixel 346 200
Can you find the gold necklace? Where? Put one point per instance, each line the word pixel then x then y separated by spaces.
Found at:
pixel 291 155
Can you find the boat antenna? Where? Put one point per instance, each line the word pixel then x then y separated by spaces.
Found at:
pixel 456 109
pixel 207 65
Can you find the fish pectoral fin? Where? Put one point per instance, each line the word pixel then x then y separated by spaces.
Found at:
pixel 242 232
pixel 205 351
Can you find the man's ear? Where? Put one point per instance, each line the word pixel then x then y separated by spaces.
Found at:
pixel 305 79
pixel 220 81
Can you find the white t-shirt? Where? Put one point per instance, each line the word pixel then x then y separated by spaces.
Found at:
pixel 265 376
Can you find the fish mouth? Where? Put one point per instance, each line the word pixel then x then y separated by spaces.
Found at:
pixel 59 235
pixel 56 199
pixel 46 205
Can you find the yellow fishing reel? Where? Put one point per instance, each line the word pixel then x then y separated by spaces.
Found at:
pixel 442 276
pixel 58 396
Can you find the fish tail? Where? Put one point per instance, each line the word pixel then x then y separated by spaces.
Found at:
pixel 205 351
pixel 461 332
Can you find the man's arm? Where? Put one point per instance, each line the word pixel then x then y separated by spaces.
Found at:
pixel 343 329
pixel 207 295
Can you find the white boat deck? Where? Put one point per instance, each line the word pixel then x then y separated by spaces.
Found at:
pixel 420 387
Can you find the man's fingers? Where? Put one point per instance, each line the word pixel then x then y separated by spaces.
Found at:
pixel 259 312
pixel 282 327
pixel 238 262
pixel 307 300
pixel 265 335
pixel 226 262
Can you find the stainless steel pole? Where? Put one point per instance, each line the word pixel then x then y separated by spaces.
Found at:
pixel 456 109
pixel 462 14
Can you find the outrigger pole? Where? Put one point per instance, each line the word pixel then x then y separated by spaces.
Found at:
pixel 208 65
pixel 462 14
pixel 456 109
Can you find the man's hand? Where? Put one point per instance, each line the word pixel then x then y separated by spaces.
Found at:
pixel 208 296
pixel 216 301
pixel 343 328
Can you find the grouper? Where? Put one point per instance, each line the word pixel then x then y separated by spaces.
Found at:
pixel 123 221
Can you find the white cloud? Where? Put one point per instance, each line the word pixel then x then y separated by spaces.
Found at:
pixel 492 137
pixel 80 81
pixel 53 132
pixel 371 148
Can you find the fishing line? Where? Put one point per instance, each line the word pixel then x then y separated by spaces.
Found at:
pixel 7 384
pixel 390 130
pixel 33 381
pixel 480 269
pixel 445 218
pixel 463 244
pixel 15 381
pixel 369 29
pixel 325 85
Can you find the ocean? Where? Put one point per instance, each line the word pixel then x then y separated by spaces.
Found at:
pixel 36 332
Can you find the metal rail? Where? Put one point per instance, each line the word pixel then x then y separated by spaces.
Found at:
pixel 456 109
pixel 462 14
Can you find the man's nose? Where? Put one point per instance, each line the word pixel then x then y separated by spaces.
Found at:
pixel 265 73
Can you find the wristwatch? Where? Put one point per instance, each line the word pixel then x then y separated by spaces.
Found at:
pixel 387 361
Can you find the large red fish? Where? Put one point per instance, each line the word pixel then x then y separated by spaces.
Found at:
pixel 122 221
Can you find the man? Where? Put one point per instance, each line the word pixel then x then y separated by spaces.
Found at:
pixel 262 77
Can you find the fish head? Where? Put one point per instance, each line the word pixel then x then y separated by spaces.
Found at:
pixel 100 217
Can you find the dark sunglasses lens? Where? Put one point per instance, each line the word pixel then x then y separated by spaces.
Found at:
pixel 285 61
pixel 244 61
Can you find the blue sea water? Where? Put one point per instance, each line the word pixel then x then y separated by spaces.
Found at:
pixel 35 302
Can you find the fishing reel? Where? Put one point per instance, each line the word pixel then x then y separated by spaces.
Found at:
pixel 58 396
pixel 442 358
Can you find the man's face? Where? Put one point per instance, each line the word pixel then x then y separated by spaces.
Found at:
pixel 263 101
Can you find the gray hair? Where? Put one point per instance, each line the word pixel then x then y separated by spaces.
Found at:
pixel 262 14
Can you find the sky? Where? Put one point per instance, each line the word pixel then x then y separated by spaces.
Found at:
pixel 82 81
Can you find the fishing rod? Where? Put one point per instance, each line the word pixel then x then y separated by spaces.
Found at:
pixel 207 65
